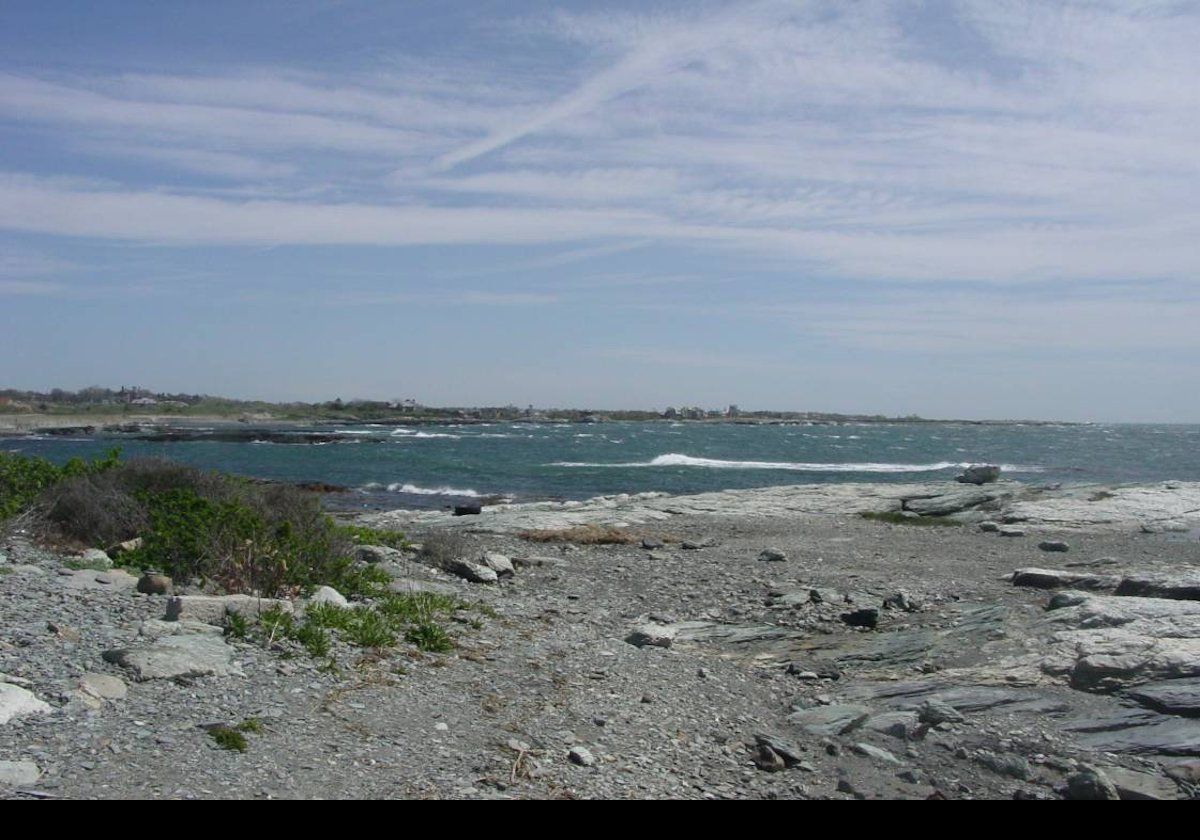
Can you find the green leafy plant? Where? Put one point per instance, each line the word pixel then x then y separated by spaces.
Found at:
pixel 429 637
pixel 228 738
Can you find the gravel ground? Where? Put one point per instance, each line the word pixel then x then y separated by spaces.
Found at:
pixel 545 698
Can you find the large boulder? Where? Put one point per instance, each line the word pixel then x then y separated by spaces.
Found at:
pixel 979 474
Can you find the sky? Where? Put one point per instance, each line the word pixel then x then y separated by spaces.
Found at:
pixel 954 209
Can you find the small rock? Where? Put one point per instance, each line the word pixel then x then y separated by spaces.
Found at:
pixel 103 686
pixel 1011 531
pixel 652 635
pixel 19 773
pixel 876 753
pixel 497 562
pixel 96 559
pixel 934 712
pixel 1054 545
pixel 473 572
pixel 17 702
pixel 1090 784
pixel 979 474
pixel 989 527
pixel 652 543
pixel 328 595
pixel 581 756
pixel 772 555
pixel 901 600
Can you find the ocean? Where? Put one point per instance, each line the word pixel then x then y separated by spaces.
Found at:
pixel 395 466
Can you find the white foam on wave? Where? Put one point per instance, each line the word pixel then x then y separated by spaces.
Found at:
pixel 675 459
pixel 413 489
pixel 414 433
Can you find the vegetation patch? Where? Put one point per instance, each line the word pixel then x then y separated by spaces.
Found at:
pixel 23 479
pixel 228 738
pixel 362 535
pixel 897 518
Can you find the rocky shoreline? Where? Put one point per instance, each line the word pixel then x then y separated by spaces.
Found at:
pixel 753 644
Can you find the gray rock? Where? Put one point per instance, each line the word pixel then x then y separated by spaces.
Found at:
pixel 19 773
pixel 1006 764
pixel 103 686
pixel 902 725
pixel 212 609
pixel 378 554
pixel 1091 785
pixel 581 756
pixel 901 600
pixel 1011 531
pixel 498 563
pixel 1054 546
pixel 866 617
pixel 1176 697
pixel 787 751
pixel 875 753
pixel 328 595
pixel 652 635
pixel 837 719
pixel 954 501
pixel 175 657
pixel 1182 587
pixel 935 711
pixel 989 527
pixel 17 702
pixel 407 586
pixel 1136 785
pixel 772 555
pixel 979 474
pixel 1063 579
pixel 96 558
pixel 473 572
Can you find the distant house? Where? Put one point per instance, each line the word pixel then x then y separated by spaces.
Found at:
pixel 144 401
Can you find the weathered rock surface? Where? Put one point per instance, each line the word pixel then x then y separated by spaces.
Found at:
pixel 19 773
pixel 1064 579
pixel 979 474
pixel 17 702
pixel 1183 586
pixel 212 609
pixel 176 657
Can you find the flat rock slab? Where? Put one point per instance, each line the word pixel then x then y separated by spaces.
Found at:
pixel 1176 697
pixel 176 657
pixel 1139 731
pixel 1136 785
pixel 19 773
pixel 1185 587
pixel 1064 579
pixel 212 609
pixel 17 702
pixel 832 720
pixel 113 580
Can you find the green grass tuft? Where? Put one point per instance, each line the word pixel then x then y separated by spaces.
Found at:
pixel 370 630
pixel 228 738
pixel 430 638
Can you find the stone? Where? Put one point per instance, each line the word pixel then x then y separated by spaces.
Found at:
pixel 652 543
pixel 581 756
pixel 979 474
pixel 176 657
pixel 1011 531
pixel 125 547
pixel 767 760
pixel 902 725
pixel 19 773
pixel 103 686
pixel 1138 786
pixel 954 501
pixel 1176 697
pixel 378 554
pixel 1006 764
pixel 328 595
pixel 96 559
pixel 772 555
pixel 835 719
pixel 212 609
pixel 498 563
pixel 1091 785
pixel 786 750
pixel 154 584
pixel 1062 600
pixel 652 635
pixel 153 628
pixel 1062 579
pixel 989 527
pixel 901 600
pixel 17 702
pixel 875 753
pixel 407 586
pixel 1180 587
pixel 1054 546
pixel 866 617
pixel 473 572
pixel 935 711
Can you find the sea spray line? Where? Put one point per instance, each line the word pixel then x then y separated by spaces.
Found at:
pixel 675 459
pixel 397 487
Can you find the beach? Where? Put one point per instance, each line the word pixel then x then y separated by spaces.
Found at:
pixel 769 643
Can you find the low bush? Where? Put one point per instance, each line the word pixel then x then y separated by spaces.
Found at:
pixel 23 479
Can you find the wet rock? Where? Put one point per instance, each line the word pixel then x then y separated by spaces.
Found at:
pixel 17 702
pixel 979 474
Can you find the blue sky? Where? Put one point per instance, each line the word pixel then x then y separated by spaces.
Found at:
pixel 970 209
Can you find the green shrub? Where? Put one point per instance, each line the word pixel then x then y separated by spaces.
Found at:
pixel 315 639
pixel 430 638
pixel 228 738
pixel 370 630
pixel 23 479
pixel 362 535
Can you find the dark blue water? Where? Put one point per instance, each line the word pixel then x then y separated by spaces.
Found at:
pixel 394 466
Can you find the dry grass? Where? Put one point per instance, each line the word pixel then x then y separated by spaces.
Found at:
pixel 585 535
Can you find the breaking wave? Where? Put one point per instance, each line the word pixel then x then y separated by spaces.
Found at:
pixel 414 490
pixel 676 460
